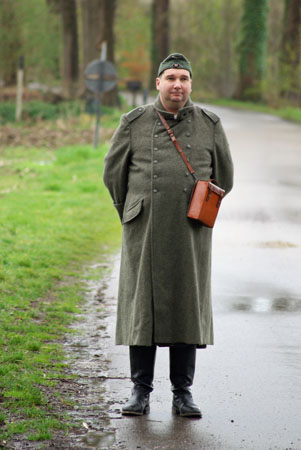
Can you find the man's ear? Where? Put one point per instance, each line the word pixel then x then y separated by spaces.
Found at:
pixel 158 83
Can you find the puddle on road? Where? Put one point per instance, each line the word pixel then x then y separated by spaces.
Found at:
pixel 281 303
pixel 276 244
pixel 97 440
pixel 290 183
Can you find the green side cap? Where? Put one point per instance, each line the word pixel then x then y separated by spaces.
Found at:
pixel 175 61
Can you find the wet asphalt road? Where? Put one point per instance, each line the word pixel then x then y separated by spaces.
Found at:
pixel 247 384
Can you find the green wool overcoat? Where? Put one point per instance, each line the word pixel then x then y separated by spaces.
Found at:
pixel 165 275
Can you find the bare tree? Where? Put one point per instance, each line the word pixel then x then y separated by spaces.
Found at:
pixel 10 37
pixel 70 65
pixel 160 36
pixel 70 48
pixel 98 27
pixel 92 24
pixel 290 57
pixel 226 76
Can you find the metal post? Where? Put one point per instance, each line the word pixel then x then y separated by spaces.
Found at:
pixel 145 96
pixel 98 110
pixel 103 53
pixel 103 57
pixel 134 95
pixel 100 76
pixel 19 88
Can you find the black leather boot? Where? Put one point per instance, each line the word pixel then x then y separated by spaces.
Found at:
pixel 182 367
pixel 142 363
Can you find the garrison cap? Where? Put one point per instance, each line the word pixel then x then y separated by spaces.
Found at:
pixel 175 61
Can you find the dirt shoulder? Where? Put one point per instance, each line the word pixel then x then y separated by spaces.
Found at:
pixel 50 135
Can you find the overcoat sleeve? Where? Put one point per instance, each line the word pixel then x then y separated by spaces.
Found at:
pixel 116 165
pixel 222 160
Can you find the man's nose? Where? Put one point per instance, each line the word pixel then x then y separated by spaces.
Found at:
pixel 177 84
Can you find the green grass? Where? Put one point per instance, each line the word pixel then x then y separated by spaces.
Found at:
pixel 287 112
pixel 56 215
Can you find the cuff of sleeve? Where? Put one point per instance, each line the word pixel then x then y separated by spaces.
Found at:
pixel 120 208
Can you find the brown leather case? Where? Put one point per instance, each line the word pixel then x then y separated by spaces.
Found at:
pixel 205 201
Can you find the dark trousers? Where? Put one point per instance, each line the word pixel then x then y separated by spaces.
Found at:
pixel 181 366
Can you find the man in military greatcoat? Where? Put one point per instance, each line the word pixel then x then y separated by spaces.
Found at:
pixel 164 294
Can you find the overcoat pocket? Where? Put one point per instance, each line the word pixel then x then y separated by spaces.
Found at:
pixel 132 211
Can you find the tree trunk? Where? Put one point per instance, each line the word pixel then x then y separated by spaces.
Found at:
pixel 290 57
pixel 160 36
pixel 70 48
pixel 252 49
pixel 70 60
pixel 98 27
pixel 225 85
pixel 93 24
pixel 110 98
pixel 10 43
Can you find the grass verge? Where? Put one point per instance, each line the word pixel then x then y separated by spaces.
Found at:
pixel 288 112
pixel 55 216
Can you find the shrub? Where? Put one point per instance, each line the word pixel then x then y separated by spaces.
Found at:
pixel 7 112
pixel 38 110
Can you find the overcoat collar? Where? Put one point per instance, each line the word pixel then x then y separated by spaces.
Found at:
pixel 182 113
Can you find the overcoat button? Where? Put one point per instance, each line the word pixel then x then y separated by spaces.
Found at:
pixel 188 134
pixel 156 135
pixel 189 120
pixel 155 176
pixel 156 148
pixel 185 189
pixel 155 161
pixel 155 191
pixel 187 174
pixel 188 146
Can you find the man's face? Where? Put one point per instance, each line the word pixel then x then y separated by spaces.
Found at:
pixel 174 86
